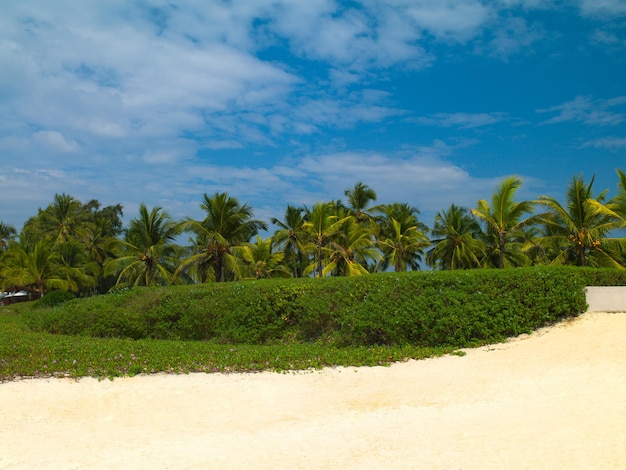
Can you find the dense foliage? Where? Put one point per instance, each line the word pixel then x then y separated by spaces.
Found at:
pixel 430 309
pixel 24 353
pixel 84 248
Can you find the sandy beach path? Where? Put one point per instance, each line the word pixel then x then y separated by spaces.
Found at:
pixel 554 399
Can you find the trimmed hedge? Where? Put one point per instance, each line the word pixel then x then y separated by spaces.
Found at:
pixel 434 308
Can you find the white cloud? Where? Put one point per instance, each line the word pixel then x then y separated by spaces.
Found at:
pixel 352 38
pixel 513 35
pixel 115 77
pixel 212 78
pixel 105 128
pixel 421 177
pixel 462 120
pixel 529 4
pixel 54 141
pixel 605 8
pixel 159 157
pixel 26 190
pixel 605 38
pixel 120 71
pixel 383 34
pixel 586 110
pixel 132 91
pixel 610 143
pixel 344 112
pixel 452 19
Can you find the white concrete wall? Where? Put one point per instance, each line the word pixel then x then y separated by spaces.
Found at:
pixel 606 299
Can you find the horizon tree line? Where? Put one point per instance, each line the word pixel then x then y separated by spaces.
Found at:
pixel 86 250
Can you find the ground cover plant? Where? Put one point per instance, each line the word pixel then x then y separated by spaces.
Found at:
pixel 287 325
pixel 24 353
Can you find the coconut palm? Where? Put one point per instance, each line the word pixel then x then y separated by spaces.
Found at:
pixel 100 241
pixel 321 225
pixel 290 237
pixel 261 258
pixel 504 221
pixel 457 244
pixel 350 251
pixel 75 264
pixel 227 224
pixel 35 267
pixel 65 217
pixel 359 198
pixel 146 252
pixel 576 232
pixel 616 207
pixel 401 237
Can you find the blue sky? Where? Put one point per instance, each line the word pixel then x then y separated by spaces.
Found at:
pixel 429 102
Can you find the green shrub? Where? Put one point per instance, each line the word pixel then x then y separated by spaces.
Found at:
pixel 55 297
pixel 431 309
pixel 603 276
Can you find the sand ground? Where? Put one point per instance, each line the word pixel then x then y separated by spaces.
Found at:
pixel 554 399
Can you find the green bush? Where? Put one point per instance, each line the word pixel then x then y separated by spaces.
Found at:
pixel 55 297
pixel 118 315
pixel 434 308
pixel 603 276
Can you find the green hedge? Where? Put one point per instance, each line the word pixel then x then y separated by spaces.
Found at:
pixel 438 308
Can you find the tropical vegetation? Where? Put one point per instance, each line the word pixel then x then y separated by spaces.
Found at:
pixel 85 249
pixel 286 324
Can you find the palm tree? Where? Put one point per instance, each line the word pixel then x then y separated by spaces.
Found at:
pixel 290 236
pixel 65 217
pixel 7 233
pixel 100 242
pixel 457 245
pixel 616 207
pixel 532 250
pixel 35 267
pixel 504 223
pixel 228 224
pixel 358 199
pixel 322 224
pixel 76 266
pixel 146 250
pixel 401 237
pixel 261 258
pixel 351 249
pixel 576 231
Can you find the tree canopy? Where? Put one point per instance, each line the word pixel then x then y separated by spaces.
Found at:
pixel 85 248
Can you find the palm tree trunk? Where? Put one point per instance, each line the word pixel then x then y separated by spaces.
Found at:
pixel 319 258
pixel 501 254
pixel 295 264
pixel 219 266
pixel 149 271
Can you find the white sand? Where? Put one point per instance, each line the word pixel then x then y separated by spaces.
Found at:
pixel 555 399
